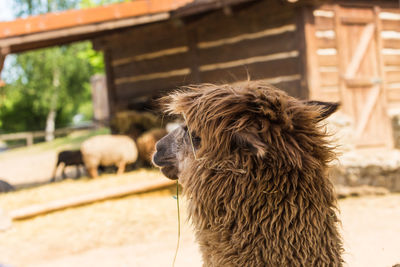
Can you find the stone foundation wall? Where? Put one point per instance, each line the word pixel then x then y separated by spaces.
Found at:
pixel 355 168
pixel 371 175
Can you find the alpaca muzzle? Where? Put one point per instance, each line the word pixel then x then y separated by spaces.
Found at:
pixel 168 169
pixel 165 156
pixel 166 165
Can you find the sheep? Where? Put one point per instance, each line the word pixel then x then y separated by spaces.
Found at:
pixel 146 144
pixel 68 158
pixel 252 161
pixel 108 150
pixel 5 187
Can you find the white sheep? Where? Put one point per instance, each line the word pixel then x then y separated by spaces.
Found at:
pixel 107 150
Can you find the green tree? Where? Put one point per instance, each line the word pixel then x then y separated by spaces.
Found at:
pixel 52 82
pixel 35 7
pixel 93 3
pixel 46 88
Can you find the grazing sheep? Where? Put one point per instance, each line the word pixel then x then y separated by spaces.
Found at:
pixel 68 158
pixel 252 161
pixel 5 187
pixel 107 150
pixel 146 144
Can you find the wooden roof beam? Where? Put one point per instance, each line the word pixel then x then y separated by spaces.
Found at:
pixel 79 33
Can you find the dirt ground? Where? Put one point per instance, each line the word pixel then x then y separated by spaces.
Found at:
pixel 141 230
pixel 36 163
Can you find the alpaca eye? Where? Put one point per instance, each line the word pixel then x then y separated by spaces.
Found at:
pixel 196 141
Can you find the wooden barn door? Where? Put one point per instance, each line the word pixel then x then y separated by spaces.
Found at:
pixel 360 74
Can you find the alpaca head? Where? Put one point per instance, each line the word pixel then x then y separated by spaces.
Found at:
pixel 173 150
pixel 223 123
pixel 252 161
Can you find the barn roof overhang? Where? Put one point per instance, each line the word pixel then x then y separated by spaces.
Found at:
pixel 74 25
pixel 70 26
pixel 61 28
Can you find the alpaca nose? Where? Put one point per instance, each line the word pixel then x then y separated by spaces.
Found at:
pixel 159 147
pixel 160 154
pixel 155 159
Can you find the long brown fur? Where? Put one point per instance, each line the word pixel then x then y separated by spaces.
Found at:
pixel 265 204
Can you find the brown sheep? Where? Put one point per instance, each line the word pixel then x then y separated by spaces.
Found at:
pixel 146 144
pixel 252 161
pixel 107 150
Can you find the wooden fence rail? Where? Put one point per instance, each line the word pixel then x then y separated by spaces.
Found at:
pixel 29 136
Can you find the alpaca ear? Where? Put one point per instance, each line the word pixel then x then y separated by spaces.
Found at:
pixel 251 142
pixel 326 108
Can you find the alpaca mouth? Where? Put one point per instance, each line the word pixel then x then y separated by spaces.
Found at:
pixel 170 172
pixel 161 160
pixel 166 165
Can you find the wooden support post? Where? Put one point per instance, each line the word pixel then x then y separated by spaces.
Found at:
pixel 111 90
pixel 345 107
pixel 305 28
pixel 29 139
pixel 2 59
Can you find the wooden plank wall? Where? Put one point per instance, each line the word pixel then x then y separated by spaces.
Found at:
pixel 256 40
pixel 148 59
pixel 251 43
pixel 390 34
pixel 328 56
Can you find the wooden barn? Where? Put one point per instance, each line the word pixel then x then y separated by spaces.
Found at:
pixel 342 51
pixel 347 51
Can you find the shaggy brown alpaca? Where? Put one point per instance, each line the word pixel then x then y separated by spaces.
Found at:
pixel 252 161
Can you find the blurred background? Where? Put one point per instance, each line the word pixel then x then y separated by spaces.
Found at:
pixel 76 70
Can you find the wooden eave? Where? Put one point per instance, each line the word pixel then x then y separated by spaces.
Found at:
pixel 199 6
pixel 75 25
pixel 68 35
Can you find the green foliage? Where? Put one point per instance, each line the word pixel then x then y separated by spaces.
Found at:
pixel 25 102
pixel 35 7
pixel 93 3
pixel 95 58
